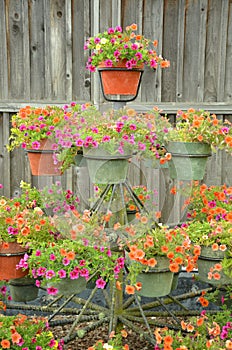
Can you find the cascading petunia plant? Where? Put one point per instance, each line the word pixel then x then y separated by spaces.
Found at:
pixel 28 333
pixel 201 126
pixel 114 45
pixel 118 131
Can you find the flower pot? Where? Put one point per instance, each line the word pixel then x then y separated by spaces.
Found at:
pixel 105 168
pixel 189 160
pixel 118 80
pixel 80 161
pixel 23 289
pixel 206 261
pixel 42 160
pixel 158 281
pixel 131 215
pixel 9 258
pixel 66 286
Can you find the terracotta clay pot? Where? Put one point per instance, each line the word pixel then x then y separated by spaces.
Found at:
pixel 10 255
pixel 42 160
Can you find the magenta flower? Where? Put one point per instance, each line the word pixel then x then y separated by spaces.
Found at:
pixel 52 257
pixel 100 283
pixel 108 63
pixel 65 262
pixel 74 274
pixel 50 274
pixel 97 40
pixel 52 290
pixel 62 273
pixel 106 138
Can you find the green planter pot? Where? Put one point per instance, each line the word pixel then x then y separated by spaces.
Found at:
pixel 23 289
pixel 66 286
pixel 189 160
pixel 158 281
pixel 105 168
pixel 207 259
pixel 80 161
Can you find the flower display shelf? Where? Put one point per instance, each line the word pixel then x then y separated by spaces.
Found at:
pixel 116 309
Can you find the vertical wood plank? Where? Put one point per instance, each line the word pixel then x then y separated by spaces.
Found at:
pixel 202 42
pixel 58 56
pixel 116 13
pixel 95 28
pixel 17 33
pixel 68 49
pixel 212 46
pixel 37 51
pixel 3 54
pixel 222 49
pixel 170 48
pixel 228 72
pixel 81 77
pixel 153 30
pixel 26 50
pixel 47 49
pixel 180 50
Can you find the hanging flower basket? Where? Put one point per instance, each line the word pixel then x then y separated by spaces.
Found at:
pixel 206 265
pixel 189 160
pixel 106 168
pixel 10 255
pixel 23 289
pixel 67 286
pixel 157 281
pixel 119 80
pixel 42 160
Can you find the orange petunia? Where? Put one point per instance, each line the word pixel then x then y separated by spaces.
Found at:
pixel 124 333
pixel 155 43
pixel 164 249
pixel 9 221
pixel 152 262
pixel 25 231
pixel 216 276
pixel 133 26
pixel 139 254
pixel 229 216
pixel 130 289
pixel 5 344
pixel 215 247
pixel 174 267
pixel 70 255
pixel 126 347
pixel 15 337
pixel 173 190
pixel 200 321
pixel 144 219
pixel 138 286
pixel 218 267
pixel 63 252
pixel 168 340
pixel 118 285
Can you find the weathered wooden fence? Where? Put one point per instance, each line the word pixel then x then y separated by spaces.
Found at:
pixel 42 61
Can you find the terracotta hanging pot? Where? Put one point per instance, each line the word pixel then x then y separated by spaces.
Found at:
pixel 119 80
pixel 10 255
pixel 42 160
